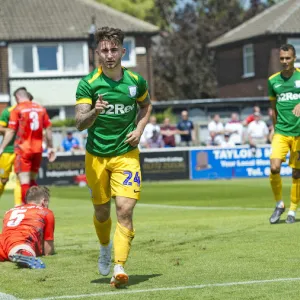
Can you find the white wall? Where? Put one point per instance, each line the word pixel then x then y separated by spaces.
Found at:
pixel 48 92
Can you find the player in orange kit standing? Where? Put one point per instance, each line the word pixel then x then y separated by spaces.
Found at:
pixel 27 122
pixel 28 230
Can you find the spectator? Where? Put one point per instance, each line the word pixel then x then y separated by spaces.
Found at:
pixel 250 118
pixel 70 143
pixel 148 131
pixel 257 131
pixel 168 133
pixel 270 124
pixel 227 143
pixel 234 128
pixel 186 129
pixel 216 131
pixel 156 141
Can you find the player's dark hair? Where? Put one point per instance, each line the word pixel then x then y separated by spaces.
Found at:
pixel 30 96
pixel 22 88
pixel 287 47
pixel 37 193
pixel 115 35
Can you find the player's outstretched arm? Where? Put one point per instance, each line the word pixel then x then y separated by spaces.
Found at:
pixel 133 138
pixel 48 248
pixel 85 116
pixel 296 110
pixel 49 140
pixel 9 135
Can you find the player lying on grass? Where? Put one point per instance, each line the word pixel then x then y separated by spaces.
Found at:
pixel 28 230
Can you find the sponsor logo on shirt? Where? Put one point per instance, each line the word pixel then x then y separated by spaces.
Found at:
pixel 117 109
pixel 297 83
pixel 288 96
pixel 277 85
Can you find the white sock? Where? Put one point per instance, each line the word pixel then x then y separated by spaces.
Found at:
pixel 280 204
pixel 292 213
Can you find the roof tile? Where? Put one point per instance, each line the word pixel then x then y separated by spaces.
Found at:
pixel 62 19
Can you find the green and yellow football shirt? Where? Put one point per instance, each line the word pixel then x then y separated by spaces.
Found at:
pixel 286 93
pixel 4 119
pixel 107 135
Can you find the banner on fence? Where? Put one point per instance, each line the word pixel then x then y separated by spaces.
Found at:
pixel 63 171
pixel 236 162
pixel 165 165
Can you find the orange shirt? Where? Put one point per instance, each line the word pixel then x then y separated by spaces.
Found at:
pixel 29 119
pixel 29 224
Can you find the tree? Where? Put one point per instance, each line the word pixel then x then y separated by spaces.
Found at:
pixel 141 9
pixel 184 66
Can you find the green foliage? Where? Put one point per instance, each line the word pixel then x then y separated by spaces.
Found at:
pixel 184 65
pixel 168 113
pixel 63 123
pixel 137 8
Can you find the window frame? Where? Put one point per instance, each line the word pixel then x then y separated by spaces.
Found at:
pixel 132 55
pixel 246 56
pixel 60 60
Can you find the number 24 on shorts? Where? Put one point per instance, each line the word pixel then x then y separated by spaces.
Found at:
pixel 136 178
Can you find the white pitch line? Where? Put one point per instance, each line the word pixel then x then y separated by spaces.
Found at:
pixel 201 286
pixel 200 207
pixel 7 297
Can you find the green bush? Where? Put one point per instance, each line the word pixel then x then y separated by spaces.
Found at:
pixel 168 113
pixel 63 123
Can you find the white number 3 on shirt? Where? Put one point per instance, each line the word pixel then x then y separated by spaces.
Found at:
pixel 34 117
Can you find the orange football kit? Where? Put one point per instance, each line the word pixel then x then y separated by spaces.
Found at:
pixel 28 120
pixel 26 228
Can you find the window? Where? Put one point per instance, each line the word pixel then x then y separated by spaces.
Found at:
pixel 248 61
pixel 23 62
pixel 47 56
pixel 48 59
pixel 129 59
pixel 296 43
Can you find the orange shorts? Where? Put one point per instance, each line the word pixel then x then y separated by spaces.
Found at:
pixel 28 162
pixel 10 246
pixel 3 256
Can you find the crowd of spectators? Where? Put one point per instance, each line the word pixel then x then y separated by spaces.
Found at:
pixel 253 130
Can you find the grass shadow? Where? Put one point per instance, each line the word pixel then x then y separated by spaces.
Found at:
pixel 283 222
pixel 133 279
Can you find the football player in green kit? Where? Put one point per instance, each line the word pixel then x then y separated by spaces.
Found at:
pixel 284 93
pixel 113 103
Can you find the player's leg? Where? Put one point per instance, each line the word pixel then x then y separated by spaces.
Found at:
pixel 22 169
pixel 295 189
pixel 6 163
pixel 126 185
pixel 36 160
pixel 123 237
pixel 17 192
pixel 280 147
pixel 98 183
pixel 25 257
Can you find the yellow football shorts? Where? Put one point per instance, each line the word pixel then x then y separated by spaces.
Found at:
pixel 113 176
pixel 281 145
pixel 6 164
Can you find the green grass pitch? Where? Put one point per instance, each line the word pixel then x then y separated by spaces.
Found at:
pixel 226 239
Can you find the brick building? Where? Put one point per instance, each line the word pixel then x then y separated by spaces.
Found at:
pixel 248 54
pixel 46 47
